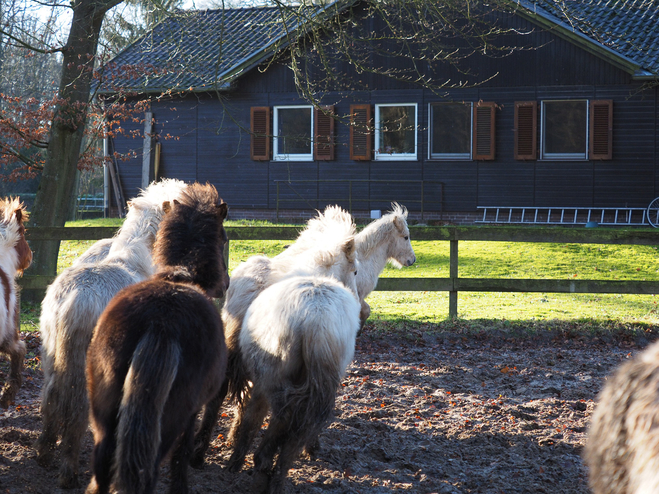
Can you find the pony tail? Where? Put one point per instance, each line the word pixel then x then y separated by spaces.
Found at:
pixel 326 353
pixel 147 385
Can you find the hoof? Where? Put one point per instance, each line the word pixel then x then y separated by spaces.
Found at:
pixel 68 479
pixel 197 460
pixel 234 466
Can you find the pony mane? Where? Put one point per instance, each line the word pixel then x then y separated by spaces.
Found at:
pixel 188 241
pixel 10 227
pixel 145 212
pixel 332 224
pixel 380 230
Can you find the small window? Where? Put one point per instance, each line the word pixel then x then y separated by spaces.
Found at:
pixel 395 132
pixel 293 128
pixel 564 131
pixel 450 131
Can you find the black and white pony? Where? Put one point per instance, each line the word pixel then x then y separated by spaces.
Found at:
pixel 158 352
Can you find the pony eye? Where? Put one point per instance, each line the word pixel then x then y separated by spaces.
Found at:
pixel 355 272
pixel 406 237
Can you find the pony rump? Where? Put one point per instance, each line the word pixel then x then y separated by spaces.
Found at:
pixel 298 337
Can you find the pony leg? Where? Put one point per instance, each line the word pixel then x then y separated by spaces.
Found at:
pixel 245 427
pixel 16 350
pixel 72 434
pixel 102 460
pixel 47 440
pixel 279 436
pixel 180 460
pixel 208 421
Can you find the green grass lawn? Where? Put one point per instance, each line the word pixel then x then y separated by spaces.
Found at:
pixel 488 260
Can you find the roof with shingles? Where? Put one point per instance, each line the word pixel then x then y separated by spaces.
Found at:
pixel 630 28
pixel 208 49
pixel 205 49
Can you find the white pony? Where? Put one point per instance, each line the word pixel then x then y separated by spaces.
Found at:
pixel 384 240
pixel 15 256
pixel 69 311
pixel 313 253
pixel 622 451
pixel 298 337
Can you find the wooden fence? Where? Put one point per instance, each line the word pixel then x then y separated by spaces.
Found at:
pixel 453 234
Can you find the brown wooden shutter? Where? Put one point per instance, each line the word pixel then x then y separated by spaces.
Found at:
pixel 360 133
pixel 526 130
pixel 484 131
pixel 260 148
pixel 323 140
pixel 601 130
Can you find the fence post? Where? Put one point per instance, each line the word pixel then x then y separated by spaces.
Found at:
pixel 453 274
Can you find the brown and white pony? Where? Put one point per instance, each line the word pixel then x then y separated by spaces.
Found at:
pixel 15 257
pixel 158 352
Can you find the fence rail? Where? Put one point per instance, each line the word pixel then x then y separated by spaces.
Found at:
pixel 453 284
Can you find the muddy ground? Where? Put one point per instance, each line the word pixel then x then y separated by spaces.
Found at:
pixel 419 411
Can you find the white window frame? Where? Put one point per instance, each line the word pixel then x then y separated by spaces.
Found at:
pixel 451 156
pixel 276 155
pixel 378 156
pixel 563 156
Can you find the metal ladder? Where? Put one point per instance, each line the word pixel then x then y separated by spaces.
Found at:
pixel 564 216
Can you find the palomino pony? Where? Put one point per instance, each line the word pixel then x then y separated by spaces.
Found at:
pixel 384 240
pixel 158 352
pixel 297 339
pixel 325 233
pixel 69 312
pixel 15 257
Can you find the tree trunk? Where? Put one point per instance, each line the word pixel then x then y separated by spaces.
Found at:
pixel 53 199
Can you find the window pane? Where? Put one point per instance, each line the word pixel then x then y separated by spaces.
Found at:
pixel 294 130
pixel 451 128
pixel 397 129
pixel 565 127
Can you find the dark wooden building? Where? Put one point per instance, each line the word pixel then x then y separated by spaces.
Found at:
pixel 567 119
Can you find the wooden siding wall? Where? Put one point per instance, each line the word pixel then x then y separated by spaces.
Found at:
pixel 213 142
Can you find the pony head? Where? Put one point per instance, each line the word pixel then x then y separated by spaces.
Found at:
pixel 391 230
pixel 13 215
pixel 191 240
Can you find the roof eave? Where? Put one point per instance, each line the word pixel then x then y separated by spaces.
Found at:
pixel 545 20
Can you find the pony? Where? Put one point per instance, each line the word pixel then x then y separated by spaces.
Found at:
pixel 297 339
pixel 386 240
pixel 313 252
pixel 69 311
pixel 622 450
pixel 158 352
pixel 15 257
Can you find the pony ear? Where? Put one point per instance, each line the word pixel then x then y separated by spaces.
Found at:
pixel 349 249
pixel 166 207
pixel 222 210
pixel 399 223
pixel 19 215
